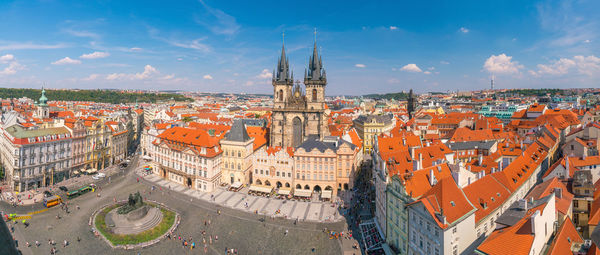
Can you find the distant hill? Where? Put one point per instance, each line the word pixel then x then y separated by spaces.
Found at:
pixel 532 92
pixel 388 96
pixel 101 96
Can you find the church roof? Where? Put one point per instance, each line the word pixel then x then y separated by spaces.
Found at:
pixel 238 132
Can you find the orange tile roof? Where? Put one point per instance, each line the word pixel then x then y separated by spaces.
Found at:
pixel 518 237
pixel 464 134
pixel 564 239
pixel 180 138
pixel 260 135
pixel 486 194
pixel 548 187
pixel 416 183
pixel 587 161
pixel 448 198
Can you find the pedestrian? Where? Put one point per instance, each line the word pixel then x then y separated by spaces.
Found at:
pixel 78 239
pixel 65 243
pixel 37 244
pixel 286 232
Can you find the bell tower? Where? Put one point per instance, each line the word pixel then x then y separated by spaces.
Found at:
pixel 315 80
pixel 283 80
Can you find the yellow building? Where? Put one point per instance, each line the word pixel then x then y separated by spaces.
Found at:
pixel 370 126
pixel 237 151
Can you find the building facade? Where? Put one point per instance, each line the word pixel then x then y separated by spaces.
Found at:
pixel 35 158
pixel 296 113
pixel 237 154
pixel 189 157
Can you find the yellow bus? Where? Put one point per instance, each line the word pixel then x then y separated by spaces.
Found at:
pixel 52 201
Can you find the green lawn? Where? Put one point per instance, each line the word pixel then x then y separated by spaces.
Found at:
pixel 167 221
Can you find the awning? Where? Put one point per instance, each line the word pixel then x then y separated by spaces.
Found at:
pixel 91 171
pixel 236 185
pixel 75 172
pixel 302 193
pixel 284 191
pixel 261 188
pixel 326 194
pixel 147 157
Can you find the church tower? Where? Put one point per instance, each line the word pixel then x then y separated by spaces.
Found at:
pixel 43 110
pixel 297 113
pixel 283 81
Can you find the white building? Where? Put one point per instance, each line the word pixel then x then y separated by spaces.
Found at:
pixel 36 157
pixel 190 157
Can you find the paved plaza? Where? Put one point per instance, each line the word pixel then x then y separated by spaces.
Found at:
pixel 236 226
pixel 303 211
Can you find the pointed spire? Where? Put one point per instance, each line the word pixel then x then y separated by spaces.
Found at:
pixel 314 63
pixel 283 68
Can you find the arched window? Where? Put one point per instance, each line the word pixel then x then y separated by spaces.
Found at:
pixel 281 95
pixel 314 94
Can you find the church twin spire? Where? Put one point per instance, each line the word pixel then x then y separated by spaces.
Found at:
pixel 315 70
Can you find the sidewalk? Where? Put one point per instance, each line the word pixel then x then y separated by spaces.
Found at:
pixel 278 208
pixel 35 196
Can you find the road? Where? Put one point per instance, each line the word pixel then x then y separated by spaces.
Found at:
pixel 235 229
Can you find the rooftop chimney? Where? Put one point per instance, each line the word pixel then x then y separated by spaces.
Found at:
pixel 432 180
pixel 558 192
pixel 480 159
pixel 523 203
pixel 420 160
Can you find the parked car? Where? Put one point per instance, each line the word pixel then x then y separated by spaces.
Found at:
pixel 98 176
pixel 47 193
pixel 63 188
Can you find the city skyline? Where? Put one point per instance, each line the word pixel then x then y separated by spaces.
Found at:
pixel 208 46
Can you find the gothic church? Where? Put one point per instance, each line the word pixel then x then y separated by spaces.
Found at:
pixel 298 113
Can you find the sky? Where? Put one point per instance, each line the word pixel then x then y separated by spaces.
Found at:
pixel 233 46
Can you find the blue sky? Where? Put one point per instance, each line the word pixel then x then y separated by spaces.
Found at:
pixel 367 46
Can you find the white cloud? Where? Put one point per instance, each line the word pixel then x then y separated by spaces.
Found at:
pixel 444 62
pixel 265 74
pixel 360 65
pixel 431 68
pixel 135 49
pixel 82 33
pixel 91 77
pixel 67 61
pixel 207 77
pixel 587 41
pixel 30 46
pixel 13 65
pixel 411 68
pixel 148 73
pixel 12 68
pixel 393 81
pixel 218 21
pixel 464 30
pixel 589 65
pixel 168 77
pixel 393 28
pixel 94 55
pixel 7 58
pixel 195 45
pixel 502 64
pixel 427 72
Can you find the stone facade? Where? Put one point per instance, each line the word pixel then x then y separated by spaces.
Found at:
pixel 298 114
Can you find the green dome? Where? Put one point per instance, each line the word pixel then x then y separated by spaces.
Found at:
pixel 43 99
